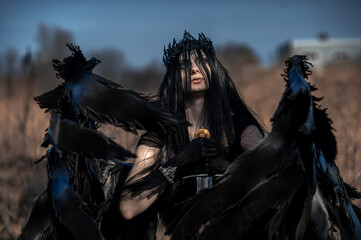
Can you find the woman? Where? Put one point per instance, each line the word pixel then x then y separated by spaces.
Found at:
pixel 196 88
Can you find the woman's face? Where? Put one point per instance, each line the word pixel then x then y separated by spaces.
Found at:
pixel 198 80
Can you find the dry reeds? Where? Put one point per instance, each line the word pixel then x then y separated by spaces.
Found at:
pixel 20 180
pixel 340 85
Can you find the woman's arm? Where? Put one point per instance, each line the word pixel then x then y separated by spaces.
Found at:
pixel 250 136
pixel 131 206
pixel 196 150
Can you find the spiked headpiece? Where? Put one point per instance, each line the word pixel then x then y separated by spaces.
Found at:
pixel 188 43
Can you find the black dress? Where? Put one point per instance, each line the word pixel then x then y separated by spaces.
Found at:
pixel 169 204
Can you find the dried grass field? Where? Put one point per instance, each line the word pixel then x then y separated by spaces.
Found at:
pixel 22 126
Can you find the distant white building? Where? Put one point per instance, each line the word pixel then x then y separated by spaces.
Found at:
pixel 323 51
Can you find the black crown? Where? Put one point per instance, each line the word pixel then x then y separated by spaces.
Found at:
pixel 188 43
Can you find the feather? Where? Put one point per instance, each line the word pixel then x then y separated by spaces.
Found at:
pixel 320 218
pixel 266 195
pixel 120 107
pixel 69 136
pixel 41 222
pixel 67 205
pixel 105 101
pixel 51 100
pixel 339 204
pixel 351 191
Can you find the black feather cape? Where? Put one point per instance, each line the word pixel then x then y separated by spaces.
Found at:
pixel 86 170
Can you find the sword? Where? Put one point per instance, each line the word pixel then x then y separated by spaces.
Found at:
pixel 203 180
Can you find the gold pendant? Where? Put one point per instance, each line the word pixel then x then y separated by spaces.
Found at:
pixel 202 132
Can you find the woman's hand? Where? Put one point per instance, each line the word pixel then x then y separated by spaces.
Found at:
pixel 199 149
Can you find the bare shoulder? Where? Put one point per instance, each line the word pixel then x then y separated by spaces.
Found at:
pixel 250 136
pixel 145 156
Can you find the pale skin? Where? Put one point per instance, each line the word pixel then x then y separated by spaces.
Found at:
pixel 194 108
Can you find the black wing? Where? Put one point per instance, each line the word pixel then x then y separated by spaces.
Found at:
pixel 105 101
pixel 69 136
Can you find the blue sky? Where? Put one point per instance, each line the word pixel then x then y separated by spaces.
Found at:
pixel 140 29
